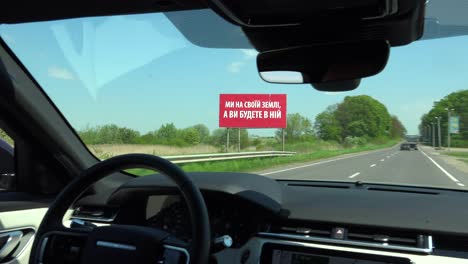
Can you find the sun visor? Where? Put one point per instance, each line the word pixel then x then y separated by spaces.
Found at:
pixel 206 29
pixel 443 18
pixel 446 18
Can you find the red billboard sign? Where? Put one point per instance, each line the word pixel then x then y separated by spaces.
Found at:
pixel 252 110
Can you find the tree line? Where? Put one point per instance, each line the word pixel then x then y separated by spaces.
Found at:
pixel 457 103
pixel 166 134
pixel 355 121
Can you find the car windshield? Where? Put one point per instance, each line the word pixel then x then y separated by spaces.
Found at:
pixel 185 87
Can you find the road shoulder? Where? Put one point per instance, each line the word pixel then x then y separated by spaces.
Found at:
pixel 457 162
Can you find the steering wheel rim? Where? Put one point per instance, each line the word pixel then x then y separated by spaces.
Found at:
pixel 201 239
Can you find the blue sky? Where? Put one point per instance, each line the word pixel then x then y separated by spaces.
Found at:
pixel 140 72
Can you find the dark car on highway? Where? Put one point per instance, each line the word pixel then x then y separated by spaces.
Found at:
pixel 405 146
pixel 409 146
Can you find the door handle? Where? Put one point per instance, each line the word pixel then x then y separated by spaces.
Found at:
pixel 12 240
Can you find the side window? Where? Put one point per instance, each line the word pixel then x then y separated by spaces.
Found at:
pixel 7 161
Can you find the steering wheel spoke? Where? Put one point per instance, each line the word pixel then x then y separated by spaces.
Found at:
pixel 62 245
pixel 175 254
pixel 121 243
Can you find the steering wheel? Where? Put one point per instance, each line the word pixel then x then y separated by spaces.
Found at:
pixel 122 243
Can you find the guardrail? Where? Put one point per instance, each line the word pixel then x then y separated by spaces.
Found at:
pixel 226 156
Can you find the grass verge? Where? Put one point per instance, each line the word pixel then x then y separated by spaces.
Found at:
pixel 105 151
pixel 457 154
pixel 462 155
pixel 255 164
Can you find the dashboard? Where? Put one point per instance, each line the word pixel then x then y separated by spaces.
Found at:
pixel 255 219
pixel 230 218
pixel 286 254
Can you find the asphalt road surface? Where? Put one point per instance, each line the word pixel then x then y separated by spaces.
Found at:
pixel 421 167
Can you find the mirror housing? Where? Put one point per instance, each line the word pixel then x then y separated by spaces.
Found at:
pixel 324 63
pixel 340 86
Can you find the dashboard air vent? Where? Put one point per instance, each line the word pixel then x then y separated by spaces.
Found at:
pixel 95 214
pixel 359 237
pixel 302 230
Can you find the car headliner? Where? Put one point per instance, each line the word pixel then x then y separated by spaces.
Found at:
pixel 444 18
pixel 29 11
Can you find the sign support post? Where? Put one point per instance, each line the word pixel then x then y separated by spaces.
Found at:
pixel 238 142
pixel 453 127
pixel 282 135
pixel 227 140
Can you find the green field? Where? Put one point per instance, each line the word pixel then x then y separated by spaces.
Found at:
pixel 255 164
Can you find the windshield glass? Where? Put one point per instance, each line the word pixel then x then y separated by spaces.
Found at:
pixel 138 84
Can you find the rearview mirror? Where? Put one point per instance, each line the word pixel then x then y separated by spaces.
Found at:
pixel 282 76
pixel 323 63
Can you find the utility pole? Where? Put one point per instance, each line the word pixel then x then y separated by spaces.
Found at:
pixel 425 133
pixel 440 134
pixel 438 131
pixel 448 130
pixel 449 114
pixel 433 134
pixel 429 134
pixel 428 137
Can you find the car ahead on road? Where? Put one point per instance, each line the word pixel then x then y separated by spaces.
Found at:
pixel 405 146
pixel 413 145
pixel 409 146
pixel 96 94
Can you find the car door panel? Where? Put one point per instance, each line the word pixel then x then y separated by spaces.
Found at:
pixel 22 223
pixel 20 217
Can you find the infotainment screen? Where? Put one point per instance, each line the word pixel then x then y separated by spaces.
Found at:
pixel 281 254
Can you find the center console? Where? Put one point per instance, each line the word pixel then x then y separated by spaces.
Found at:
pixel 285 254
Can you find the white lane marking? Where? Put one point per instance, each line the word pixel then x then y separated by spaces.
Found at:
pixel 388 157
pixel 382 159
pixel 440 167
pixel 373 165
pixel 320 162
pixel 354 175
pixel 460 184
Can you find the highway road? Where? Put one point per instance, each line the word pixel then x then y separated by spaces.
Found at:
pixel 423 167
